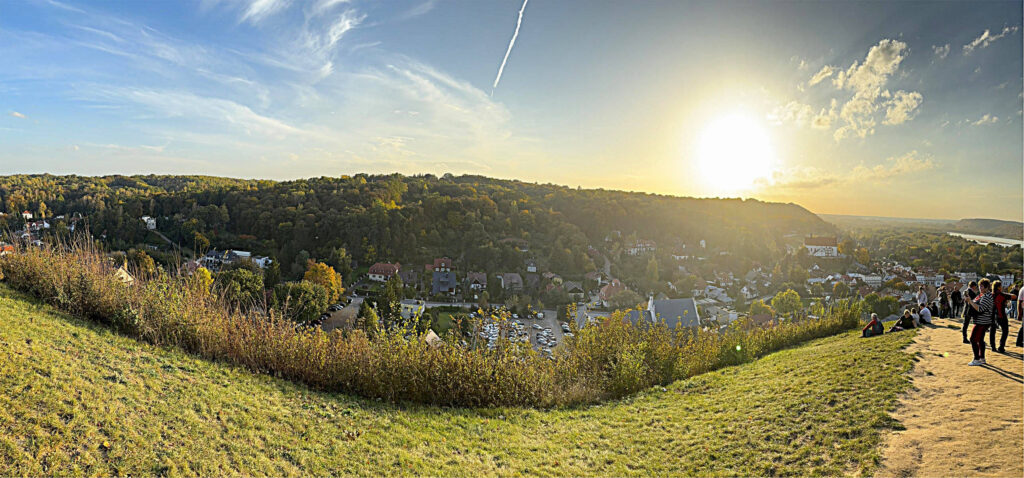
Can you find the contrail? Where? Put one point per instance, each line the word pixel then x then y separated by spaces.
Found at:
pixel 507 52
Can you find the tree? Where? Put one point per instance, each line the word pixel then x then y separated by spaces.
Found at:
pixel 840 290
pixel 626 299
pixel 302 302
pixel 651 272
pixel 787 302
pixel 272 274
pixel 323 274
pixel 817 290
pixel 368 319
pixel 758 307
pixel 200 242
pixel 241 287
pixel 141 262
pixel 862 255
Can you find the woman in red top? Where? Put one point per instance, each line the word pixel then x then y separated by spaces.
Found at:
pixel 1001 299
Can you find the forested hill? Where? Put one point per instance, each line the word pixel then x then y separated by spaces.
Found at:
pixel 481 222
pixel 990 227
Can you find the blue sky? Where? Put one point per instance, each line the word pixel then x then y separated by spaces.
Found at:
pixel 876 108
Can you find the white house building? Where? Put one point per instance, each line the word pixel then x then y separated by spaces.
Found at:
pixel 641 246
pixel 822 246
pixel 150 222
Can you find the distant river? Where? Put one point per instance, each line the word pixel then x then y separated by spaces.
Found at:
pixel 1001 241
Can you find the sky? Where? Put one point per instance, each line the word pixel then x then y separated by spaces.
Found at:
pixel 904 109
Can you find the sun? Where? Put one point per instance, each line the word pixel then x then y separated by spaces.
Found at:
pixel 733 152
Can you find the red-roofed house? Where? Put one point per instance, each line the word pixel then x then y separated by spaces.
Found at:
pixel 822 246
pixel 382 271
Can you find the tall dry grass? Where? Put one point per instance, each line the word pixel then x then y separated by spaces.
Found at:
pixel 608 360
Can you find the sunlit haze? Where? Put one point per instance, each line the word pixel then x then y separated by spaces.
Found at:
pixel 909 109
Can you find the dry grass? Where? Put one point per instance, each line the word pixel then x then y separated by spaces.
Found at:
pixel 612 359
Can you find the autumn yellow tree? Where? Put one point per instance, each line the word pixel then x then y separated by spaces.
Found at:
pixel 325 275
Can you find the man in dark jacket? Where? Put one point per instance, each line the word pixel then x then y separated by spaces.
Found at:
pixel 969 312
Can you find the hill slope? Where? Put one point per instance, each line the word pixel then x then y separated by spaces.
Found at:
pixel 77 398
pixel 991 227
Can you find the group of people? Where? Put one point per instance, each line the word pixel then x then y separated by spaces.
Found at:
pixel 986 306
pixel 984 303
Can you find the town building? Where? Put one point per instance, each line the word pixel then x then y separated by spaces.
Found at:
pixel 574 290
pixel 442 282
pixel 822 246
pixel 443 264
pixel 476 281
pixel 411 308
pixel 149 222
pixel 641 246
pixel 672 312
pixel 382 271
pixel 511 281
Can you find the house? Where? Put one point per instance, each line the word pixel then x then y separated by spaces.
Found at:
pixel 26 215
pixel 531 266
pixel 411 308
pixel 595 276
pixel 611 290
pixel 934 280
pixel 574 289
pixel 872 280
pixel 382 271
pixel 822 246
pixel 6 249
pixel 672 312
pixel 641 246
pixel 149 222
pixel 262 261
pixel 1007 279
pixel 966 276
pixel 409 277
pixel 443 264
pixel 511 281
pixel 442 282
pixel 124 276
pixel 476 281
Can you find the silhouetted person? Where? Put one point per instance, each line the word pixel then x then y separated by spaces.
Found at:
pixel 969 312
pixel 958 302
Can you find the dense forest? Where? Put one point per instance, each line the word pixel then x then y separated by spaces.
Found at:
pixel 990 227
pixel 353 221
pixel 939 251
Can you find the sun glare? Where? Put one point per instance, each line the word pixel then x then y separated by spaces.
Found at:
pixel 733 152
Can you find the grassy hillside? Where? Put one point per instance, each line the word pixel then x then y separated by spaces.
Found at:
pixel 77 398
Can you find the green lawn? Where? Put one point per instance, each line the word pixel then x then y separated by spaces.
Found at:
pixel 76 398
pixel 443 323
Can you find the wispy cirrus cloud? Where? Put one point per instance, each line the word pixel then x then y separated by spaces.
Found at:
pixel 987 38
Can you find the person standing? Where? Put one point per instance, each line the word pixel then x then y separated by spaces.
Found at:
pixel 969 312
pixel 984 305
pixel 944 309
pixel 1001 300
pixel 922 297
pixel 958 302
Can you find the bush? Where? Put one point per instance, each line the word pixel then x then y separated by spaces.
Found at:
pixel 610 359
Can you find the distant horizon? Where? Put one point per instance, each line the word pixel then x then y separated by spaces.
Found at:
pixel 571 186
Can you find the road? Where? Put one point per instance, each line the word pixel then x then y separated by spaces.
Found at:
pixel 173 244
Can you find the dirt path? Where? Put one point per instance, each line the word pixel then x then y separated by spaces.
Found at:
pixel 960 420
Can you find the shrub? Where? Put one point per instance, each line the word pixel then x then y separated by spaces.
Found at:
pixel 610 359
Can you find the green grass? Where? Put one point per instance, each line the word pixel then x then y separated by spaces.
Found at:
pixel 443 323
pixel 76 398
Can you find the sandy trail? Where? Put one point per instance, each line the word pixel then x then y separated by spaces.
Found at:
pixel 960 420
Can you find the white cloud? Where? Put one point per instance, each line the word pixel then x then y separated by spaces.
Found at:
pixel 986 119
pixel 322 6
pixel 986 38
pixel 941 51
pixel 825 72
pixel 803 178
pixel 261 9
pixel 17 115
pixel 902 107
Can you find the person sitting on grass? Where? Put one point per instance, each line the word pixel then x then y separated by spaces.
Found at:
pixel 925 316
pixel 916 316
pixel 875 327
pixel 905 322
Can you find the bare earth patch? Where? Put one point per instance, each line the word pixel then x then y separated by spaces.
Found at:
pixel 960 420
